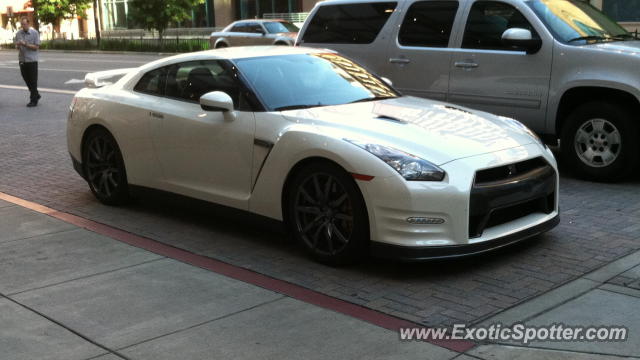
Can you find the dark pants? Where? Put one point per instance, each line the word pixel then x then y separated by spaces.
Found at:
pixel 29 71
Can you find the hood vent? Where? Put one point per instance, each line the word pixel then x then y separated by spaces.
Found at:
pixel 390 118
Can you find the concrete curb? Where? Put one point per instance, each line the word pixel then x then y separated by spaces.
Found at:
pixel 564 293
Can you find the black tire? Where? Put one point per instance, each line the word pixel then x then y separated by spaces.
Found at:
pixel 221 45
pixel 333 229
pixel 600 141
pixel 280 43
pixel 104 168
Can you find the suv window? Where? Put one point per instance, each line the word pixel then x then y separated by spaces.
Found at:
pixel 486 23
pixel 152 82
pixel 190 80
pixel 428 24
pixel 348 24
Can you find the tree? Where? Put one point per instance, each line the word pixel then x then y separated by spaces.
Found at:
pixel 158 14
pixel 52 11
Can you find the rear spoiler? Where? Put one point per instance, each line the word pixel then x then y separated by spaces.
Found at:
pixel 103 78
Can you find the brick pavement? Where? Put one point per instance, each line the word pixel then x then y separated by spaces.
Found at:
pixel 601 222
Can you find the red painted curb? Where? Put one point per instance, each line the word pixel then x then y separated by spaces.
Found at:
pixel 297 292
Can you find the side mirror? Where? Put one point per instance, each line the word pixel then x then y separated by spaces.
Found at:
pixel 216 101
pixel 387 81
pixel 521 38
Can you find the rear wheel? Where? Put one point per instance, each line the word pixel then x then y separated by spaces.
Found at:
pixel 327 214
pixel 599 141
pixel 104 168
pixel 221 45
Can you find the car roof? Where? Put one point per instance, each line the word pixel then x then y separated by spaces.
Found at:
pixel 258 21
pixel 238 52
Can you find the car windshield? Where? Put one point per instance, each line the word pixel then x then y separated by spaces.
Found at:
pixel 578 22
pixel 280 27
pixel 307 80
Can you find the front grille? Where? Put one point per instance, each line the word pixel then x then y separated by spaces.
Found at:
pixel 501 173
pixel 506 193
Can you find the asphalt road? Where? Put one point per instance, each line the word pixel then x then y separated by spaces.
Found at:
pixel 66 71
pixel 600 222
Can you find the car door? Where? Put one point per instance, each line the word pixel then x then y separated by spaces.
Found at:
pixel 204 154
pixel 134 116
pixel 419 55
pixel 490 76
pixel 256 34
pixel 238 34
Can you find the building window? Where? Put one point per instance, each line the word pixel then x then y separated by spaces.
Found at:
pixel 622 10
pixel 115 14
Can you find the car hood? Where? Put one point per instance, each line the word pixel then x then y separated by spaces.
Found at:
pixel 631 47
pixel 435 131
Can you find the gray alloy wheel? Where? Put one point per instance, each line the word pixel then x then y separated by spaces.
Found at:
pixel 598 143
pixel 326 213
pixel 104 168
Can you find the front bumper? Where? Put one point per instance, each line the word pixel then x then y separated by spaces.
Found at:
pixel 411 253
pixel 475 209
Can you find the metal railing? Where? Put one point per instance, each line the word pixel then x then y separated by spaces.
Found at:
pixel 291 17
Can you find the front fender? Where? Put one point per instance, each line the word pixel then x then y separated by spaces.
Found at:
pixel 300 143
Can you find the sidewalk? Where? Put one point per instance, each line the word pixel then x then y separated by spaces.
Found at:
pixel 70 293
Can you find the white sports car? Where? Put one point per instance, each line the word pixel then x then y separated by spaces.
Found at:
pixel 311 138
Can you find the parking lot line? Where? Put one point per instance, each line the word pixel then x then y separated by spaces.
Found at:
pixel 235 272
pixel 57 91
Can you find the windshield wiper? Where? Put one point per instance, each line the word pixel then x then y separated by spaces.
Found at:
pixel 590 37
pixel 295 107
pixel 624 36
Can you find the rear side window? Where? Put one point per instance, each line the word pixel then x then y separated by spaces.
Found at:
pixel 486 23
pixel 428 24
pixel 348 24
pixel 152 83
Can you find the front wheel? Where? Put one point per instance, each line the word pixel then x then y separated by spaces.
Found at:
pixel 104 168
pixel 327 214
pixel 599 141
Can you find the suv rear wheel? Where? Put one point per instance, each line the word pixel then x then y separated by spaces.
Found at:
pixel 599 141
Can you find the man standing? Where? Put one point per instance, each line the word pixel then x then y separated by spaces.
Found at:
pixel 28 42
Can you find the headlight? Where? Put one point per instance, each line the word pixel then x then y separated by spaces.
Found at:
pixel 407 165
pixel 517 124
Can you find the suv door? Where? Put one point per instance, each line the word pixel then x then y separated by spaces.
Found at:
pixel 205 154
pixel 490 76
pixel 419 56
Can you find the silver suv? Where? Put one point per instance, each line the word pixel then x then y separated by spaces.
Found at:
pixel 561 67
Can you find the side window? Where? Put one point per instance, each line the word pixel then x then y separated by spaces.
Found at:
pixel 255 28
pixel 428 24
pixel 486 23
pixel 242 27
pixel 348 24
pixel 152 82
pixel 190 80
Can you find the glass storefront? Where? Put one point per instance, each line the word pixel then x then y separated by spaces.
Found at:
pixel 250 9
pixel 622 10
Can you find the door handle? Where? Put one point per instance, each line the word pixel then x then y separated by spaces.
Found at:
pixel 399 60
pixel 156 115
pixel 465 64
